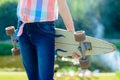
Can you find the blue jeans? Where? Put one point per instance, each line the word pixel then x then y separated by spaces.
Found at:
pixel 37 45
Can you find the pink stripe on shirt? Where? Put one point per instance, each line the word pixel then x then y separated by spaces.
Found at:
pixel 22 10
pixel 50 10
pixel 28 8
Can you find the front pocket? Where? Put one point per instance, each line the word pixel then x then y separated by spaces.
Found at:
pixel 47 27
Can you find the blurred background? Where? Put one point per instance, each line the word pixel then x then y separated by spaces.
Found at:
pixel 99 18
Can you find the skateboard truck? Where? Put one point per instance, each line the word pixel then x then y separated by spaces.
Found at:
pixel 10 31
pixel 80 37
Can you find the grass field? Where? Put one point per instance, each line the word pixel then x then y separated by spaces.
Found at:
pixel 22 76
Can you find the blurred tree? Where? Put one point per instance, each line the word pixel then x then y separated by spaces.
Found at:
pixel 110 15
pixel 7 17
pixel 117 15
pixel 82 12
pixel 5 49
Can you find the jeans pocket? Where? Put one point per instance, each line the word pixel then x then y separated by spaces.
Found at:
pixel 46 27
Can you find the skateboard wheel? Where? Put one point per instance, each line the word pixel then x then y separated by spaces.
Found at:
pixel 79 36
pixel 10 30
pixel 16 51
pixel 84 63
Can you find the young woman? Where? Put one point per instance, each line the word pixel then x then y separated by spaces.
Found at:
pixel 36 35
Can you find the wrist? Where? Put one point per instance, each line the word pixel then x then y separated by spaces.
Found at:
pixel 71 30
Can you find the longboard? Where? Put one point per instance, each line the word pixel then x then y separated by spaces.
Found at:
pixel 65 44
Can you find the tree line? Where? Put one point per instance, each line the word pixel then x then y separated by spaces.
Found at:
pixel 83 13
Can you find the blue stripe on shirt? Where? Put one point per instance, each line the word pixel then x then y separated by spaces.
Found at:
pixel 38 10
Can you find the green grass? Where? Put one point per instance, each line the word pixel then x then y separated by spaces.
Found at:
pixel 13 76
pixel 10 62
pixel 22 76
pixel 118 74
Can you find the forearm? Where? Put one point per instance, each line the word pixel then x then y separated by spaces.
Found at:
pixel 65 14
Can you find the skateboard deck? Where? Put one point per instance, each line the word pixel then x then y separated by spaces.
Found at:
pixel 65 44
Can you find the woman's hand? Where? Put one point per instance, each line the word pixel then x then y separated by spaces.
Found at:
pixel 75 55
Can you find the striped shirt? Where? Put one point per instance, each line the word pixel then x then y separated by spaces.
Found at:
pixel 29 11
pixel 37 10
